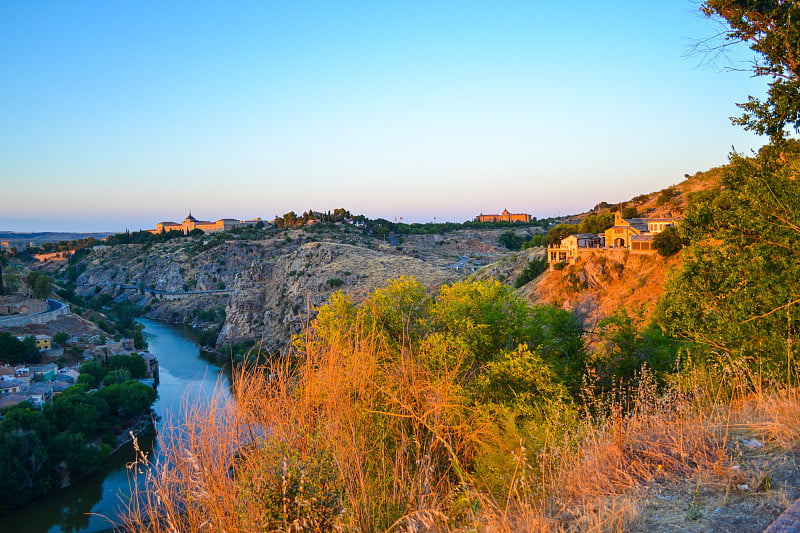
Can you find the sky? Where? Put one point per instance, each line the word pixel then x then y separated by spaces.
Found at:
pixel 118 115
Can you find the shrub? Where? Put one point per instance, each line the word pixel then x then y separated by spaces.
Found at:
pixel 531 272
pixel 335 282
pixel 668 242
pixel 666 196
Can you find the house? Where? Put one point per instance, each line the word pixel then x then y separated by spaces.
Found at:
pixel 40 393
pixel 46 372
pixel 634 235
pixel 624 232
pixel 568 249
pixel 9 386
pixel 43 342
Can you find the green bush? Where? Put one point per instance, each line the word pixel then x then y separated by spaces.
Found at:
pixel 668 242
pixel 531 272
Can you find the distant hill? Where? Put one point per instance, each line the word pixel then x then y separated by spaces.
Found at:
pixel 39 238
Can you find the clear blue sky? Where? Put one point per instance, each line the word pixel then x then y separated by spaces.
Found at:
pixel 117 115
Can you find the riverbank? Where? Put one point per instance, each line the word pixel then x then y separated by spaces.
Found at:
pixel 92 504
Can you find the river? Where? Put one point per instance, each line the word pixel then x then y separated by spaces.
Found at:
pixel 185 376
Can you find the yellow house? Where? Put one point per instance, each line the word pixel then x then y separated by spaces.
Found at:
pixel 634 234
pixel 43 342
pixel 568 249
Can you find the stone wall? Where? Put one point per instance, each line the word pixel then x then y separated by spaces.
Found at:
pixel 18 304
pixel 39 318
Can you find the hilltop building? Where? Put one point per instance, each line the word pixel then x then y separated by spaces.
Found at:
pixel 190 223
pixel 505 216
pixel 632 234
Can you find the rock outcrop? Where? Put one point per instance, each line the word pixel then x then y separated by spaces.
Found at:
pixel 275 298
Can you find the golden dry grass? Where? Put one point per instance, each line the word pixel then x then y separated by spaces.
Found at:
pixel 400 444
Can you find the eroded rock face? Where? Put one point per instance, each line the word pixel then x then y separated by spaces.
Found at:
pixel 275 298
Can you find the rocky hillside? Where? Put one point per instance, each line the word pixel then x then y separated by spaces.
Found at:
pixel 265 285
pixel 274 298
pixel 600 285
pixel 603 284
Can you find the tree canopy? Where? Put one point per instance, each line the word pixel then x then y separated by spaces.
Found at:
pixel 738 292
pixel 772 29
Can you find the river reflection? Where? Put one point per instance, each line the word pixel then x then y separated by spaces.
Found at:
pixel 87 506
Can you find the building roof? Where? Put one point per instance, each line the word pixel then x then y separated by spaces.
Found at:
pixel 190 218
pixel 43 368
pixel 12 399
pixel 586 235
pixel 9 384
pixel 642 238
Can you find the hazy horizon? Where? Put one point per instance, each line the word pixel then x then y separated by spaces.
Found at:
pixel 120 116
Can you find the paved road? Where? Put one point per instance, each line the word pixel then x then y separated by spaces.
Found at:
pixel 461 263
pixel 52 305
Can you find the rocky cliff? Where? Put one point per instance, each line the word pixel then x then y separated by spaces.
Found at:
pixel 600 285
pixel 275 297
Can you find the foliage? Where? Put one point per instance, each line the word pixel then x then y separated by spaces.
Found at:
pixel 33 441
pixel 335 282
pixel 531 272
pixel 533 242
pixel 3 263
pixel 40 284
pixel 596 223
pixel 772 29
pixel 626 352
pixel 666 196
pixel 92 373
pixel 738 290
pixel 60 337
pixel 668 242
pixel 511 240
pixel 629 212
pixel 282 485
pixel 556 234
pixel 14 351
pixel 134 363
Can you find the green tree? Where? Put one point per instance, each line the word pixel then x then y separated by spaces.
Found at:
pixel 772 29
pixel 738 291
pixel 511 240
pixel 554 235
pixel 668 242
pixel 596 223
pixel 531 272
pixel 3 263
pixel 133 363
pixel 92 373
pixel 42 285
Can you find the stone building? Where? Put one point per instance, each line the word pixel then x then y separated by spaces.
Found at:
pixel 631 234
pixel 505 216
pixel 190 223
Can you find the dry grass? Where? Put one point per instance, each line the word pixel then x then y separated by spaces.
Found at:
pixel 398 443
